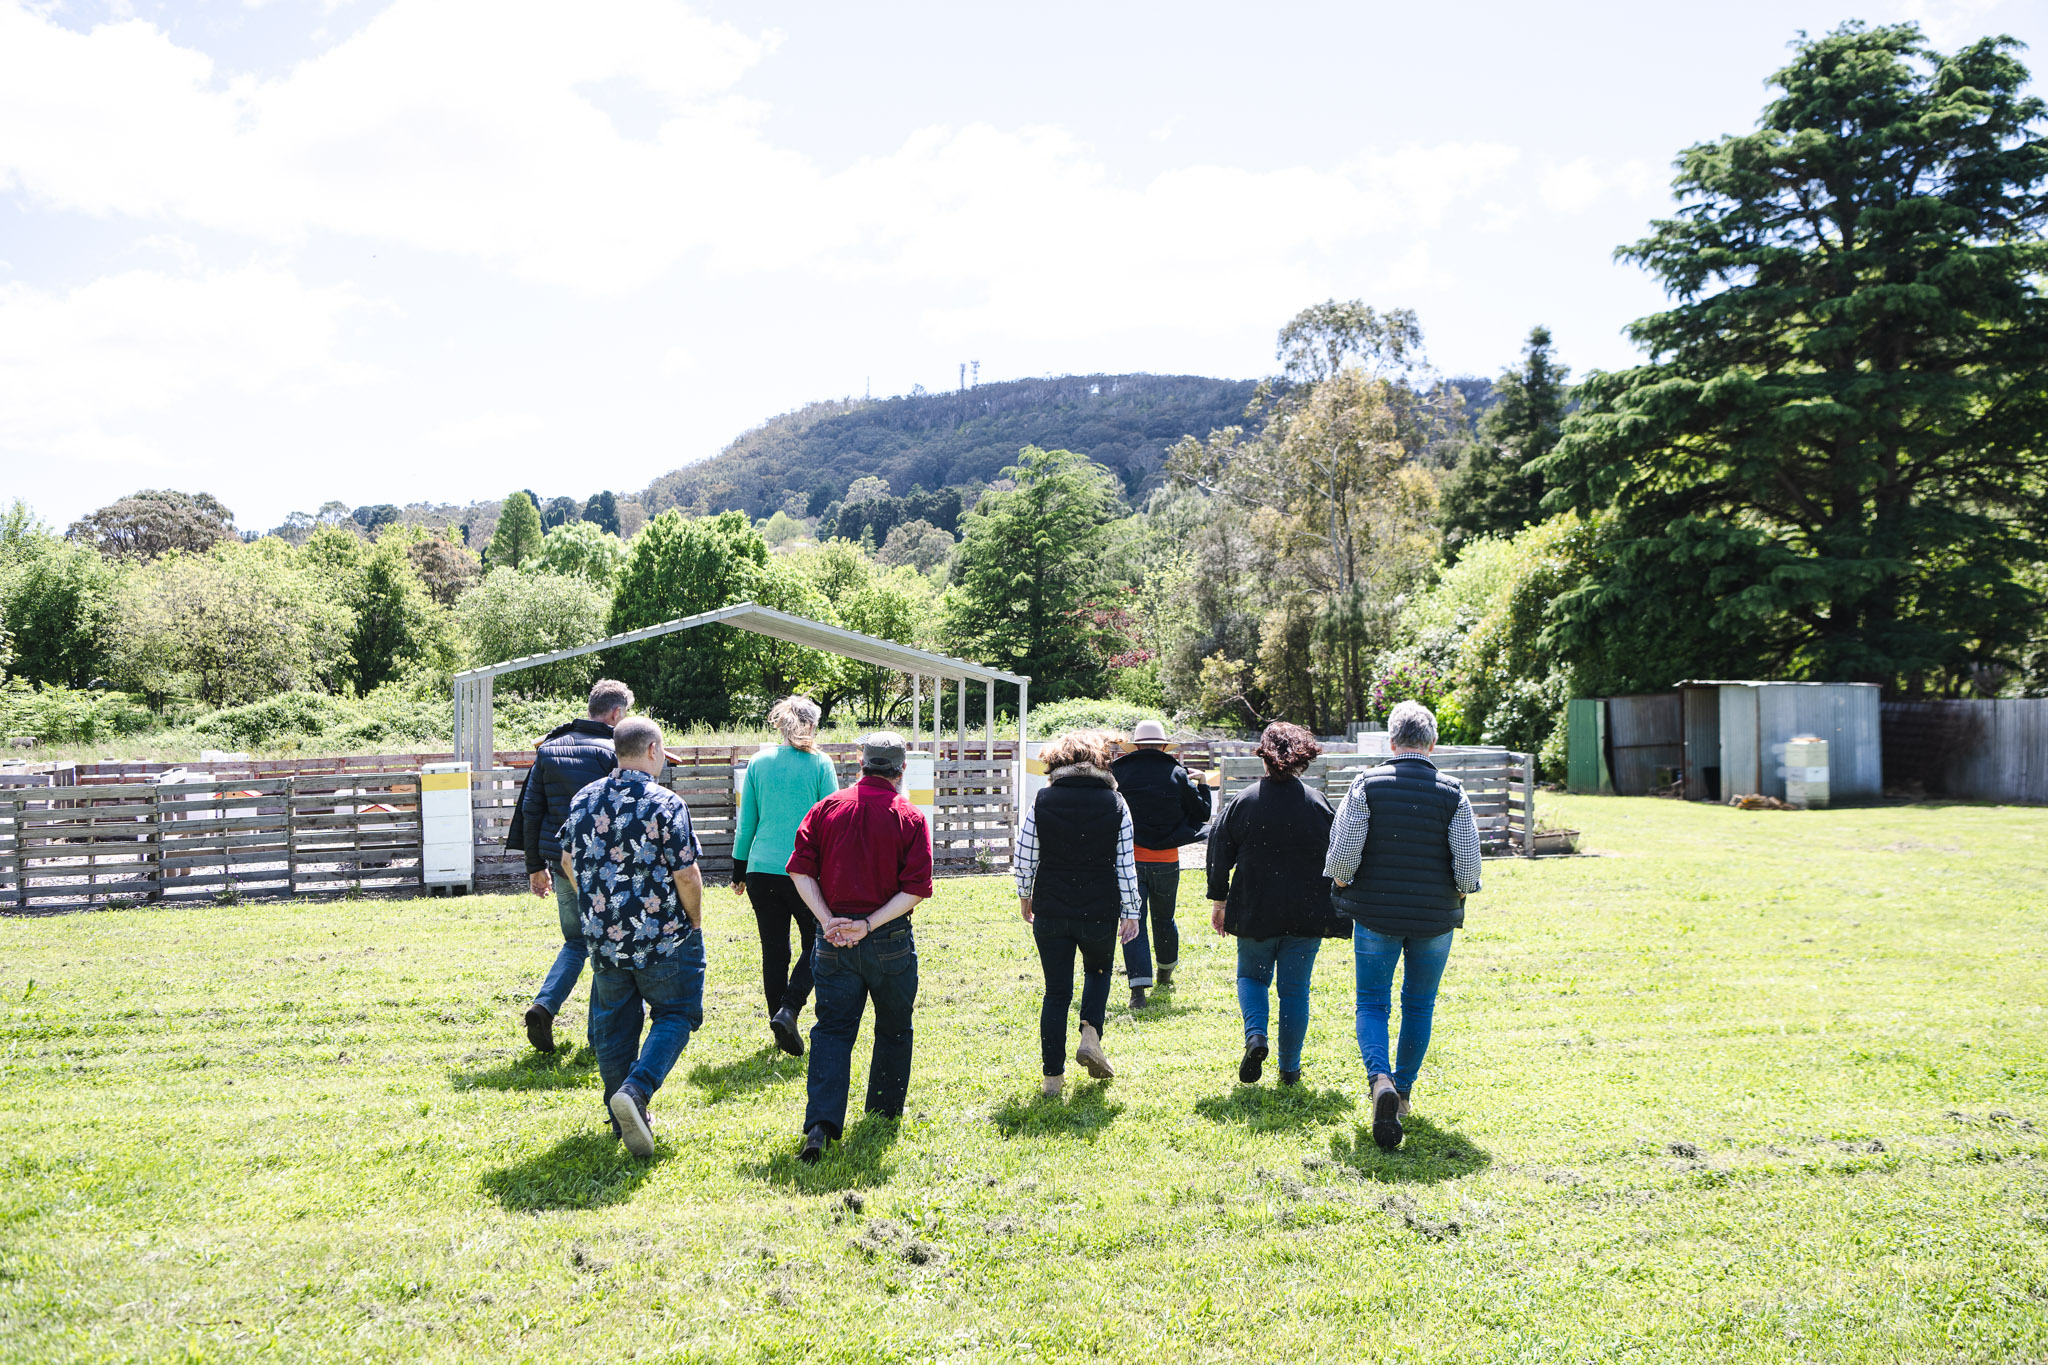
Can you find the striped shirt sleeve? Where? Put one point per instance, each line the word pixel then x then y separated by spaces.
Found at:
pixel 1464 846
pixel 1347 834
pixel 1024 858
pixel 1126 863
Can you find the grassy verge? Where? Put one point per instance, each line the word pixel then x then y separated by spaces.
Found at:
pixel 1748 1087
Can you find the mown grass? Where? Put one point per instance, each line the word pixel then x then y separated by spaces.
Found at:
pixel 1755 1087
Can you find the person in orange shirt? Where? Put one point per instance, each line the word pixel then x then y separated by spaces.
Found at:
pixel 1169 809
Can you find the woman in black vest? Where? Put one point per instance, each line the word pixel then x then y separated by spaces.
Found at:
pixel 1077 886
pixel 1274 835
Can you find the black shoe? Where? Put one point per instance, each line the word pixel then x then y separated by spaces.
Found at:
pixel 783 1025
pixel 1165 976
pixel 540 1028
pixel 814 1146
pixel 1254 1064
pixel 1290 1077
pixel 1137 997
pixel 1386 1114
pixel 629 1111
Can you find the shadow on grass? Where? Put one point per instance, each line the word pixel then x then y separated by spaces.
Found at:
pixel 1082 1114
pixel 588 1170
pixel 763 1066
pixel 1161 1007
pixel 564 1069
pixel 1267 1109
pixel 858 1161
pixel 1428 1154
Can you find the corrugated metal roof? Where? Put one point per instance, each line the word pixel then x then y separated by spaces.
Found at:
pixel 1761 682
pixel 781 625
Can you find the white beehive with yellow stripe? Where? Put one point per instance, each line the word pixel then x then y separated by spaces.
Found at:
pixel 447 842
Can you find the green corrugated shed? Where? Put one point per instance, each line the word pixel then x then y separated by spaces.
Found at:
pixel 1586 746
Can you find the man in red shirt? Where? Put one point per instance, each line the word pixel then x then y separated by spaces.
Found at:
pixel 863 861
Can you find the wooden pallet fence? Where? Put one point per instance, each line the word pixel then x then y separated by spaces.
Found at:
pixel 245 837
pixel 1499 784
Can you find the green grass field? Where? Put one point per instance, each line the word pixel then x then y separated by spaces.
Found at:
pixel 1756 1087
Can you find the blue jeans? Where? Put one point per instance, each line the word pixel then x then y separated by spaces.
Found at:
pixel 560 981
pixel 881 967
pixel 1377 955
pixel 672 991
pixel 1158 891
pixel 1293 959
pixel 1058 939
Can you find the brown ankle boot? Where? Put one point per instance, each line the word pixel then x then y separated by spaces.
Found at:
pixel 1090 1055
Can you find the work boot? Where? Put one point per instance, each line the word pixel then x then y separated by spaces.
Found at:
pixel 783 1025
pixel 1165 976
pixel 1137 997
pixel 1404 1101
pixel 1254 1064
pixel 1050 1087
pixel 1386 1113
pixel 1090 1055
pixel 540 1028
pixel 629 1108
pixel 814 1145
pixel 1291 1077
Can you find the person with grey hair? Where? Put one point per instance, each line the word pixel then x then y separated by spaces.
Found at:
pixel 862 861
pixel 570 758
pixel 1404 854
pixel 629 850
pixel 778 790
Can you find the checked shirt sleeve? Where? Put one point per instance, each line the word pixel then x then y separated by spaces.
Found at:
pixel 1127 864
pixel 1024 863
pixel 1347 834
pixel 1464 838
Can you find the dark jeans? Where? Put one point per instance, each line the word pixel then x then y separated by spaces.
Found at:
pixel 1158 891
pixel 560 981
pixel 1058 940
pixel 1292 960
pixel 672 993
pixel 776 903
pixel 881 967
pixel 1422 961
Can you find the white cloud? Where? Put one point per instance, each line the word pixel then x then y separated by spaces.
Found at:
pixel 485 429
pixel 76 367
pixel 1578 184
pixel 600 147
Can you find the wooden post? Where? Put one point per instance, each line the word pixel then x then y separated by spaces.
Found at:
pixel 1528 805
pixel 156 842
pixel 291 835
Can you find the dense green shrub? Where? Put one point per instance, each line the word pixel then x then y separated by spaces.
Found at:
pixel 65 715
pixel 1089 713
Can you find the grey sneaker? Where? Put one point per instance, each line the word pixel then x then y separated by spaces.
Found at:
pixel 629 1109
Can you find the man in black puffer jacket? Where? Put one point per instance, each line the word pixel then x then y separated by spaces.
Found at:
pixel 568 760
pixel 1168 810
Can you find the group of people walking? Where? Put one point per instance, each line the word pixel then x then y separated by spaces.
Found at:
pixel 1097 864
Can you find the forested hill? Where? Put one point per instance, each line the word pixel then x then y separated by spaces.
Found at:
pixel 1124 421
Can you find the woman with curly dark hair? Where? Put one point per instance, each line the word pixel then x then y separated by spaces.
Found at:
pixel 1266 887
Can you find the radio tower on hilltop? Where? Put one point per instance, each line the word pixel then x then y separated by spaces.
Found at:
pixel 977 374
pixel 963 376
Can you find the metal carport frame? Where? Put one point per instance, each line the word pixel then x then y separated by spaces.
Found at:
pixel 476 743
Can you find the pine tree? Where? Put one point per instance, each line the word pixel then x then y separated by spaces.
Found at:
pixel 518 534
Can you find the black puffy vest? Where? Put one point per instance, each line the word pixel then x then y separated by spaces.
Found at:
pixel 1404 885
pixel 1077 819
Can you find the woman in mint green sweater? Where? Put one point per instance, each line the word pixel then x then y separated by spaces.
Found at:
pixel 778 791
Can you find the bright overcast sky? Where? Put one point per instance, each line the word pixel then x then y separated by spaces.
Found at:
pixel 435 249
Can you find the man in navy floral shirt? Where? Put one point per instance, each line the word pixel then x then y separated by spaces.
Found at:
pixel 628 847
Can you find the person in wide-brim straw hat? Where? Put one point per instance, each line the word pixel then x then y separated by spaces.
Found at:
pixel 1169 810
